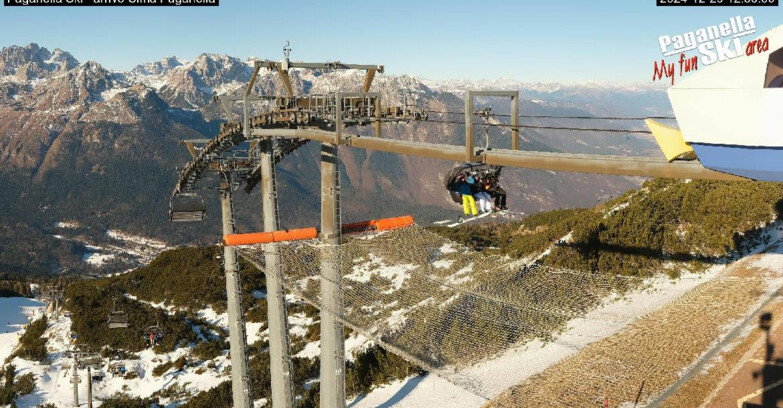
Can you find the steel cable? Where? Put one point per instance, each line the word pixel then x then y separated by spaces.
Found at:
pixel 545 127
pixel 563 117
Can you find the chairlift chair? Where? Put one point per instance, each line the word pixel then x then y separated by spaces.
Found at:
pixel 118 368
pixel 117 318
pixel 92 360
pixel 450 181
pixel 154 334
pixel 186 207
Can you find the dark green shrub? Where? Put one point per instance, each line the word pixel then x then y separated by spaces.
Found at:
pixel 32 346
pixel 376 366
pixel 177 365
pixel 120 400
pixel 25 384
pixel 208 350
pixel 218 397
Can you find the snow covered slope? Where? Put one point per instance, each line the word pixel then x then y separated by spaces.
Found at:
pixel 16 312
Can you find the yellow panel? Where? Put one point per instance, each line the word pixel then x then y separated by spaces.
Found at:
pixel 670 141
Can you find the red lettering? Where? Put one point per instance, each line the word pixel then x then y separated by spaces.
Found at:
pixel 751 48
pixel 663 70
pixel 682 60
pixel 757 46
pixel 692 64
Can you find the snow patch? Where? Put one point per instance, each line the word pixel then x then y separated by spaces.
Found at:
pixel 396 274
pixel 96 258
pixel 107 95
pixel 136 239
pixel 443 263
pixel 447 249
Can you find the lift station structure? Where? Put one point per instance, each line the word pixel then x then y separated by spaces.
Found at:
pixel 247 148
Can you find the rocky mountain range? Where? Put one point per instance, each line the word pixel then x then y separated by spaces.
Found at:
pixel 80 143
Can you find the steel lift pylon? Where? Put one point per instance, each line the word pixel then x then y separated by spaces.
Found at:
pixel 240 377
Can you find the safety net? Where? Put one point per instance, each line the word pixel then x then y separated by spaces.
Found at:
pixel 435 302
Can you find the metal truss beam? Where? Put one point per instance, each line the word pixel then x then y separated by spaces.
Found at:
pixel 277 65
pixel 580 163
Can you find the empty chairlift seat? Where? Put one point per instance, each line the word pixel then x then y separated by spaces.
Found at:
pixel 92 360
pixel 186 208
pixel 118 320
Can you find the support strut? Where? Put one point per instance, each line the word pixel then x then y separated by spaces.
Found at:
pixel 89 387
pixel 279 343
pixel 75 381
pixel 240 378
pixel 332 335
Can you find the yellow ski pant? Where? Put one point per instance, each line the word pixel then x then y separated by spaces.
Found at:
pixel 469 205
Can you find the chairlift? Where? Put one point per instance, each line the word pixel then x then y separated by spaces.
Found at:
pixel 186 207
pixel 153 334
pixel 466 169
pixel 118 368
pixel 93 360
pixel 118 319
pixel 155 329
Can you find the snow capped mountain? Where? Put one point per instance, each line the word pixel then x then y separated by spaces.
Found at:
pixel 158 67
pixel 33 62
pixel 63 83
pixel 191 85
pixel 125 105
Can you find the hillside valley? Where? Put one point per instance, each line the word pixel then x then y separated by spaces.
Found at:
pixel 612 264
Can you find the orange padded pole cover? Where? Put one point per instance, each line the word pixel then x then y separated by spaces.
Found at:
pixel 393 223
pixel 295 234
pixel 253 238
pixel 359 226
pixel 267 237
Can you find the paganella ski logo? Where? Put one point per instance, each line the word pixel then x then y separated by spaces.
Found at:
pixel 712 44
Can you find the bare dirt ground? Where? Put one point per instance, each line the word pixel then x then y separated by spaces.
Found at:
pixel 647 357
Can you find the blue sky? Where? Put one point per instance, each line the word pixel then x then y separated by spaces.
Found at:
pixel 543 40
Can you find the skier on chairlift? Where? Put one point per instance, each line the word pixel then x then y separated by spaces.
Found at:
pixel 471 182
pixel 497 192
pixel 482 195
pixel 463 187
